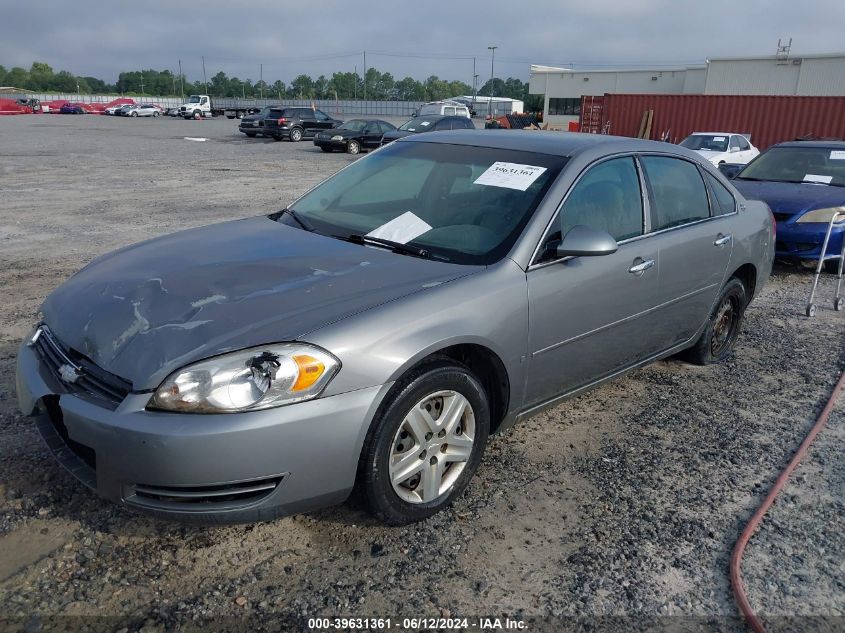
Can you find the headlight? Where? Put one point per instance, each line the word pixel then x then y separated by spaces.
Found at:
pixel 822 215
pixel 337 137
pixel 255 378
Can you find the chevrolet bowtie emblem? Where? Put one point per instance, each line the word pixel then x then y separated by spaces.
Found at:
pixel 68 373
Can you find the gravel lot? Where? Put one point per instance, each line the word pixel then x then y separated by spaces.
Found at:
pixel 615 511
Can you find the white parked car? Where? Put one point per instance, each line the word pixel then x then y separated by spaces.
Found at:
pixel 721 147
pixel 144 109
pixel 444 108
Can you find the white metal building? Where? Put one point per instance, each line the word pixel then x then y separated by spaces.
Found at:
pixel 806 75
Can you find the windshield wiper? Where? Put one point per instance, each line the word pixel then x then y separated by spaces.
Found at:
pixel 396 247
pixel 302 223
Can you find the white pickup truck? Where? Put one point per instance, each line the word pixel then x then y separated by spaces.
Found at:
pixel 201 106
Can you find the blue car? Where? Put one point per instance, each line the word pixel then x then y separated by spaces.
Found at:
pixel 803 182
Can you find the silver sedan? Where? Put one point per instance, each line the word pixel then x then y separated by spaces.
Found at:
pixel 144 109
pixel 377 331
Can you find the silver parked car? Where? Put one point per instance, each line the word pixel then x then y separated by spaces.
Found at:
pixel 374 333
pixel 143 109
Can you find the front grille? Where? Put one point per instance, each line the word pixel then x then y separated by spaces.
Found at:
pixel 89 380
pixel 203 498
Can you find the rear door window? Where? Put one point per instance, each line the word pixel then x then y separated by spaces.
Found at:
pixel 678 195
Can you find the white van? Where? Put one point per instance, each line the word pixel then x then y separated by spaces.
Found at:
pixel 444 108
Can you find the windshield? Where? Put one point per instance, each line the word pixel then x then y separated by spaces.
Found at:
pixel 434 196
pixel 711 142
pixel 419 124
pixel 194 99
pixel 356 125
pixel 821 165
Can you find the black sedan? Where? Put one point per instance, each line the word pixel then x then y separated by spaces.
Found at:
pixel 429 123
pixel 353 136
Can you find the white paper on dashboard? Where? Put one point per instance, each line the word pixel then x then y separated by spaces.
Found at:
pixel 837 154
pixel 817 178
pixel 401 229
pixel 718 138
pixel 510 175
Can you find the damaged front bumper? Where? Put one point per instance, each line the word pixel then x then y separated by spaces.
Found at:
pixel 206 468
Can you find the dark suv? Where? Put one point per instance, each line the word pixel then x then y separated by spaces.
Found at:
pixel 253 124
pixel 428 123
pixel 297 123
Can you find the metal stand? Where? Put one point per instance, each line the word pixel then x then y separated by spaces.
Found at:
pixel 838 302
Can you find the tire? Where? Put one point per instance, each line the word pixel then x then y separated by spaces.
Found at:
pixel 353 147
pixel 277 138
pixel 250 134
pixel 831 266
pixel 429 482
pixel 197 114
pixel 229 116
pixel 327 150
pixel 723 326
pixel 296 135
pixel 134 114
pixel 155 114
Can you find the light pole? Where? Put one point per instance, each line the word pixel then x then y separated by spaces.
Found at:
pixel 492 60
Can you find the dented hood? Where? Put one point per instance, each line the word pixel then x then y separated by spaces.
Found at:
pixel 148 309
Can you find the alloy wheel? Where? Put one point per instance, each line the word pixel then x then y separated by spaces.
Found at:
pixel 431 447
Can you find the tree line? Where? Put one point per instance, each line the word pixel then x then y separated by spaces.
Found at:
pixel 341 85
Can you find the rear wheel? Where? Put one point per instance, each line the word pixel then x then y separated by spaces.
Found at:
pixel 277 138
pixel 425 444
pixel 155 114
pixel 723 326
pixel 250 134
pixel 296 135
pixel 353 147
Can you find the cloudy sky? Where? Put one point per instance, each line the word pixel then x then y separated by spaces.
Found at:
pixel 95 38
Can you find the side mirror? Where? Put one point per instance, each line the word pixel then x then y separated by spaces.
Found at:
pixel 730 170
pixel 733 150
pixel 585 241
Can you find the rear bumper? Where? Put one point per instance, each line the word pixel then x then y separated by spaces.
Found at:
pixel 249 466
pixel 804 240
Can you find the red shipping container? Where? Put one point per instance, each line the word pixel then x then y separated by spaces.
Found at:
pixel 768 119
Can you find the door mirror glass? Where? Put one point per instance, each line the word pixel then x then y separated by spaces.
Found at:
pixel 585 241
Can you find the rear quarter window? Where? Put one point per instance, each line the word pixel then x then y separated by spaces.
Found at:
pixel 723 201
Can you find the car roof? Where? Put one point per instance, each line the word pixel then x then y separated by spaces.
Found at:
pixel 547 142
pixel 833 143
pixel 717 134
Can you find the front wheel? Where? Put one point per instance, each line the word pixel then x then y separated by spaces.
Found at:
pixel 155 114
pixel 353 147
pixel 723 326
pixel 425 443
pixel 134 114
pixel 327 150
pixel 197 114
pixel 250 134
pixel 296 135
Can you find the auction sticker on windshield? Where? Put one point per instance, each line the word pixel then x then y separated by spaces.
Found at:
pixel 510 175
pixel 825 180
pixel 837 155
pixel 401 229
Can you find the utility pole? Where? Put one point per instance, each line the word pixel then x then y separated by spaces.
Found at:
pixel 492 59
pixel 365 75
pixel 181 81
pixel 142 83
pixel 355 83
pixel 474 79
pixel 205 79
pixel 261 79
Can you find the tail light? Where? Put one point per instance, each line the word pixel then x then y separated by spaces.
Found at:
pixel 282 120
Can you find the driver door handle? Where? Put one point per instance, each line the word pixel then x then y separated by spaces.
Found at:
pixel 639 269
pixel 721 240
